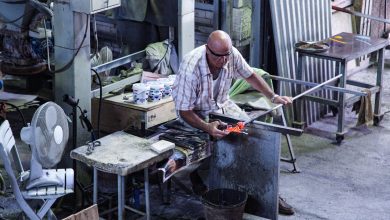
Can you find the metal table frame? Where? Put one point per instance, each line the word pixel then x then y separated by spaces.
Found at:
pixel 339 101
pixel 121 194
pixel 127 154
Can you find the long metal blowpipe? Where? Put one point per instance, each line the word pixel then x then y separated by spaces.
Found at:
pixel 315 88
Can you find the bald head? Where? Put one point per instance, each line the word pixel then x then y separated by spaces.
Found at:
pixel 219 41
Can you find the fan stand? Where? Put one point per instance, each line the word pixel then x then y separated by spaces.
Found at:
pixel 39 178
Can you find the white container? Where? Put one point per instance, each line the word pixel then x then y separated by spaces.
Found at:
pixel 141 93
pixel 156 90
pixel 168 83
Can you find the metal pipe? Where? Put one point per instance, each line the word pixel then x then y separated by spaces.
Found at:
pixel 120 200
pixel 95 187
pixel 334 88
pixel 119 62
pixel 361 14
pixel 147 204
pixel 315 88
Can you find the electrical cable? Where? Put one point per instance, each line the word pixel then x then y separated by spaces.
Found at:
pixel 69 64
pixel 19 111
pixel 100 101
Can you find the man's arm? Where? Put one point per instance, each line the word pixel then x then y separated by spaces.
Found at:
pixel 261 85
pixel 195 121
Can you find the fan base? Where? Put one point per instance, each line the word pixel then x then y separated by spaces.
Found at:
pixel 47 179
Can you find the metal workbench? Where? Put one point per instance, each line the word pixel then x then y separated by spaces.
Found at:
pixel 344 47
pixel 122 154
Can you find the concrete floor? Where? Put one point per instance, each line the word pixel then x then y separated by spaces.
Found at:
pixel 347 181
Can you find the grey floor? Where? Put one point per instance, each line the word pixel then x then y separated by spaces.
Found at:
pixel 347 181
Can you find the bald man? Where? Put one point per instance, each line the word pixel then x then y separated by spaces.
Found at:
pixel 204 79
pixel 202 85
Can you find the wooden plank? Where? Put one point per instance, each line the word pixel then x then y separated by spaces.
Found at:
pixel 90 213
pixel 118 100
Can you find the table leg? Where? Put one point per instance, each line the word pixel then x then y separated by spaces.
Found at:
pixel 121 197
pixel 335 93
pixel 341 104
pixel 299 123
pixel 95 182
pixel 146 176
pixel 378 96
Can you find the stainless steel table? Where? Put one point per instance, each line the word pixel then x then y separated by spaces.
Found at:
pixel 122 154
pixel 343 48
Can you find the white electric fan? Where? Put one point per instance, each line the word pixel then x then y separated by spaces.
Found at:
pixel 47 135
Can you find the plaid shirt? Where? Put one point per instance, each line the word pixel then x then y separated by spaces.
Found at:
pixel 193 87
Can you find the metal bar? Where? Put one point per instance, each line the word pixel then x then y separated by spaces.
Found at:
pixel 120 200
pixel 116 85
pixel 45 207
pixel 340 123
pixel 290 147
pixel 278 128
pixel 322 100
pixel 334 88
pixel 95 186
pixel 146 177
pixel 134 210
pixel 315 88
pixel 378 95
pixel 119 62
pixel 361 14
pixel 358 84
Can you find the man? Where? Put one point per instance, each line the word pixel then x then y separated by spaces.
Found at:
pixel 201 87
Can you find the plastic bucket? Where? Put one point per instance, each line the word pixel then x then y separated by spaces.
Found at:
pixel 140 93
pixel 156 90
pixel 168 83
pixel 224 204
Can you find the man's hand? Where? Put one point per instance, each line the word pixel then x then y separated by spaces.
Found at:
pixel 283 100
pixel 214 131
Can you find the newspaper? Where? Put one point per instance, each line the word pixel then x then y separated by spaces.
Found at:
pixel 185 153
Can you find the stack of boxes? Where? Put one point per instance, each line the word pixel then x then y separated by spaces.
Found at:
pixel 241 22
pixel 204 22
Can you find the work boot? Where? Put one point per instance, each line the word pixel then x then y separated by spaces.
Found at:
pixel 198 187
pixel 285 208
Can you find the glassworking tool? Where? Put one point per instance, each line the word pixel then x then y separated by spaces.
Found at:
pixel 239 127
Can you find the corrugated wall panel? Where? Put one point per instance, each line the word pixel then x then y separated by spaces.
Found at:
pixel 302 20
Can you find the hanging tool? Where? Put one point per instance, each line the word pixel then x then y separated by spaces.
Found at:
pixel 361 14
